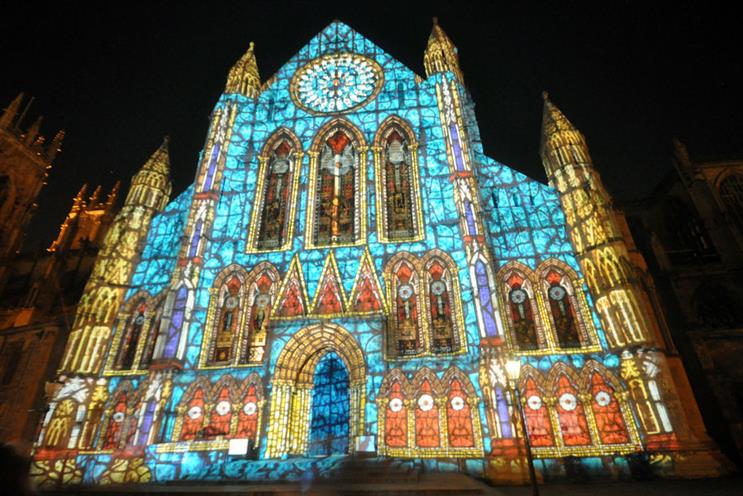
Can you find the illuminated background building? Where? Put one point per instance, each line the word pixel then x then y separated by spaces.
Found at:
pixel 348 254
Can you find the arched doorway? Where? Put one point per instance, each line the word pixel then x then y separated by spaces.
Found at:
pixel 329 419
pixel 320 370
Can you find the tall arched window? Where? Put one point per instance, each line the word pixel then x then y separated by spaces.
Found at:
pixel 60 426
pixel 440 308
pixel 398 204
pixel 337 186
pixel 522 313
pixel 148 350
pixel 261 297
pixel 406 303
pixel 571 414
pixel 562 310
pixel 116 423
pixel 609 419
pixel 221 414
pixel 396 418
pixel 193 416
pixel 249 415
pixel 130 337
pixel 225 334
pixel 427 432
pixel 459 417
pixel 731 194
pixel 273 214
pixel 537 416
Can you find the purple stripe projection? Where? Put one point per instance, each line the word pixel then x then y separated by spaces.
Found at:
pixel 147 419
pixel 195 238
pixel 212 168
pixel 470 217
pixel 503 417
pixel 486 303
pixel 176 322
pixel 458 159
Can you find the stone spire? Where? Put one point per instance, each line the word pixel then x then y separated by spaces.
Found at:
pixel 441 54
pixel 559 134
pixel 244 78
pixel 6 120
pixel 151 185
pixel 33 131
pixel 55 146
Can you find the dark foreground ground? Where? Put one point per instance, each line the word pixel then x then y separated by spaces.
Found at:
pixel 699 487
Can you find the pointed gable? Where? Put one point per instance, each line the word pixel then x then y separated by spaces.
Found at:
pixel 329 297
pixel 292 299
pixel 366 296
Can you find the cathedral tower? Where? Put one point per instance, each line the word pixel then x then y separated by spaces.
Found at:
pixel 600 243
pixel 149 192
pixel 25 161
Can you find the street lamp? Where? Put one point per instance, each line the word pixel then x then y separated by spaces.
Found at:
pixel 513 371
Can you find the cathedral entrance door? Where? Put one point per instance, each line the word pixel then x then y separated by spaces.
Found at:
pixel 329 422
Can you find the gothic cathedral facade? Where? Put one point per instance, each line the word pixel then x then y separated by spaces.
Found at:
pixel 348 273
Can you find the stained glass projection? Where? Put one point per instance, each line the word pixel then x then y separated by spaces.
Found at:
pixel 193 416
pixel 537 416
pixel 337 199
pixel 254 337
pixel 427 434
pixel 221 415
pixel 112 437
pixel 247 417
pixel 130 337
pixel 440 309
pixel 407 323
pixel 277 195
pixel 398 186
pixel 459 418
pixel 330 422
pixel 522 314
pixel 396 418
pixel 571 415
pixel 229 312
pixel 608 414
pixel 562 311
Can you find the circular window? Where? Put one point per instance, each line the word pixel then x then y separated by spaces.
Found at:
pixel 223 407
pixel 194 412
pixel 534 402
pixel 395 404
pixel 230 303
pixel 118 417
pixel 603 398
pixel 405 291
pixel 518 296
pixel 457 403
pixel 250 408
pixel 568 402
pixel 425 402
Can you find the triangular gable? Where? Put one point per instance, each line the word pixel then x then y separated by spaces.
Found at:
pixel 329 296
pixel 336 37
pixel 366 296
pixel 292 300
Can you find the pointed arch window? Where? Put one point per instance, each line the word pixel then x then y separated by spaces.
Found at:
pixel 193 416
pixel 337 189
pixel 273 213
pixel 563 311
pixel 225 335
pixel 427 433
pixel 130 337
pixel 116 423
pixel 247 417
pixel 406 300
pixel 607 411
pixel 571 415
pixel 254 337
pixel 149 347
pixel 60 427
pixel 537 416
pixel 221 415
pixel 398 201
pixel 440 308
pixel 459 417
pixel 521 312
pixel 396 418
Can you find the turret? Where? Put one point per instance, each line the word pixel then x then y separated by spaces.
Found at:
pixel 244 78
pixel 595 228
pixel 441 54
pixel 151 186
pixel 6 120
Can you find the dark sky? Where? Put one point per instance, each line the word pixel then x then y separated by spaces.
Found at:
pixel 630 75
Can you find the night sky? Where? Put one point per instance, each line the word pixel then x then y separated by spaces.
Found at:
pixel 629 75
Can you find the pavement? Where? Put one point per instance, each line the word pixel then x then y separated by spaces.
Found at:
pixel 727 486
